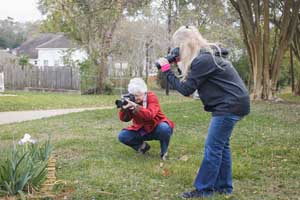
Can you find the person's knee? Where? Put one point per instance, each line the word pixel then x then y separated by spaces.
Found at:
pixel 123 137
pixel 212 151
pixel 165 130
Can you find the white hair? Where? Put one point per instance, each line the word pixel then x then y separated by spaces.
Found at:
pixel 137 85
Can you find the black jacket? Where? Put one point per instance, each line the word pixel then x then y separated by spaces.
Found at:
pixel 220 88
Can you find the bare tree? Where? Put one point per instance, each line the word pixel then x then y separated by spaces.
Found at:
pixel 139 43
pixel 91 23
pixel 296 49
pixel 255 22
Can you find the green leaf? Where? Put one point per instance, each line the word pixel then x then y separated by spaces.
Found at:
pixel 23 181
pixel 39 175
pixel 8 188
pixel 22 195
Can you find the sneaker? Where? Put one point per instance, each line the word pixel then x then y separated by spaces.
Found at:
pixel 144 148
pixel 196 194
pixel 163 156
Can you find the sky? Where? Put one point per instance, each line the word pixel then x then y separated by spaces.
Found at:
pixel 20 10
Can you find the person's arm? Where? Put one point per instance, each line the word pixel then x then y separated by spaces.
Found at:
pixel 150 112
pixel 200 71
pixel 125 115
pixel 185 88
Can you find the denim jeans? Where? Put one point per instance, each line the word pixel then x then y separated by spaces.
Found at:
pixel 135 139
pixel 215 173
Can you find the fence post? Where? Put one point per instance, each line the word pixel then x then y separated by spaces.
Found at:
pixel 1 82
pixel 71 79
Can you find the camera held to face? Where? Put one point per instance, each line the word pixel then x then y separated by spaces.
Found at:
pixel 172 57
pixel 123 101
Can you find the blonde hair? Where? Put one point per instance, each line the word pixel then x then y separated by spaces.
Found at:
pixel 190 41
pixel 137 85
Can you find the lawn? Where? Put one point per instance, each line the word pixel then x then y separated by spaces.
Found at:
pixel 47 100
pixel 265 151
pixel 290 97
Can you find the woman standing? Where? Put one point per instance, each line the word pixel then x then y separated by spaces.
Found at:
pixel 222 93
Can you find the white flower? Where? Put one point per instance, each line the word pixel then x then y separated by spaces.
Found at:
pixel 26 139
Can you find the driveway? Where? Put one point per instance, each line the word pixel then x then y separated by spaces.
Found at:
pixel 20 116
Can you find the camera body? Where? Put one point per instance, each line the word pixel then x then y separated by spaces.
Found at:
pixel 171 57
pixel 123 101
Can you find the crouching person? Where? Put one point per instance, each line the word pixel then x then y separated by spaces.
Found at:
pixel 148 120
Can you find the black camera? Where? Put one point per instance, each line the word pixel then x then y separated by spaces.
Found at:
pixel 123 101
pixel 171 57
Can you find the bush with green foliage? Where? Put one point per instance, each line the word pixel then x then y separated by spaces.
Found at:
pixel 88 78
pixel 242 66
pixel 25 168
pixel 23 61
pixel 108 87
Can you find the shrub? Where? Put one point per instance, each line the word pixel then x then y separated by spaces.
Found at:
pixel 108 87
pixel 25 168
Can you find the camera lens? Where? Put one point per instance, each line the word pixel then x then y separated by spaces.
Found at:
pixel 119 103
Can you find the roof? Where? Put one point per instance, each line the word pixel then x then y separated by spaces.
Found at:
pixel 60 41
pixel 29 47
pixel 44 40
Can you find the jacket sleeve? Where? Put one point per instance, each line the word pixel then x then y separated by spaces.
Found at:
pixel 201 69
pixel 151 111
pixel 125 115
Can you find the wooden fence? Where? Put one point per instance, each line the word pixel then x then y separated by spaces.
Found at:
pixel 52 78
pixel 1 82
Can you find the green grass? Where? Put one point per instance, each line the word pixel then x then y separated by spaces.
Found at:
pixel 38 101
pixel 47 100
pixel 290 97
pixel 265 152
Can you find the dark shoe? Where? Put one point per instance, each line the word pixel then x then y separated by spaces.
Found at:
pixel 163 156
pixel 196 194
pixel 144 148
pixel 224 192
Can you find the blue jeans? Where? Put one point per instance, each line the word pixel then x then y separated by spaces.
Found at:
pixel 135 139
pixel 215 173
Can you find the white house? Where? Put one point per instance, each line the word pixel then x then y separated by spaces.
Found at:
pixel 51 50
pixel 28 48
pixel 59 51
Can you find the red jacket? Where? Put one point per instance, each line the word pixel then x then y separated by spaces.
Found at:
pixel 147 118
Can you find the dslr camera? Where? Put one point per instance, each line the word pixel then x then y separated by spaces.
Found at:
pixel 123 101
pixel 171 57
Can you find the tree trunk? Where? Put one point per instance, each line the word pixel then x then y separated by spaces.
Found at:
pixel 276 67
pixel 147 46
pixel 170 6
pixel 265 75
pixel 257 71
pixel 297 92
pixel 292 70
pixel 287 28
pixel 266 93
pixel 102 66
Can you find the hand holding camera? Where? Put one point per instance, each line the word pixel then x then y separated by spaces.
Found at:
pixel 164 63
pixel 126 102
pixel 130 105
